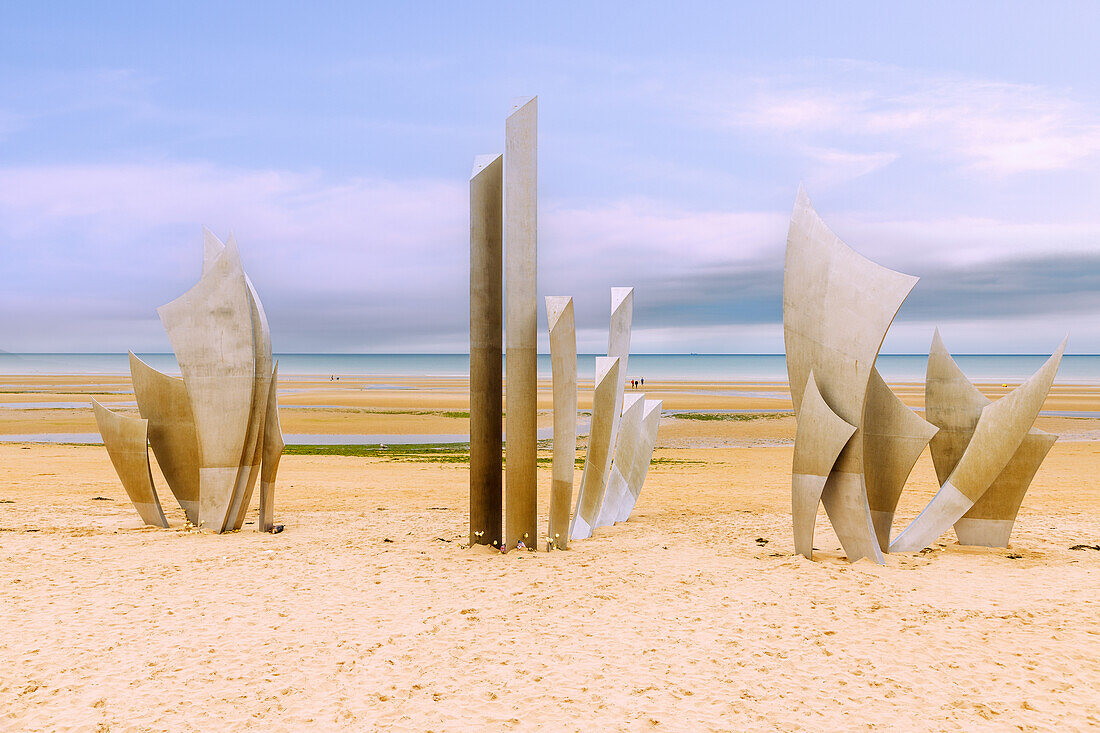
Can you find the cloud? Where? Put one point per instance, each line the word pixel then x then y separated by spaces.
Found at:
pixel 368 264
pixel 366 255
pixel 996 127
pixel 351 264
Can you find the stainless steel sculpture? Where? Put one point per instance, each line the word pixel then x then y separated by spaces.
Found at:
pixel 641 455
pixel 597 459
pixel 857 442
pixel 563 365
pixel 486 191
pixel 626 449
pixel 989 522
pixel 210 327
pixel 893 438
pixel 126 440
pixel 521 310
pixel 984 444
pixel 163 401
pixel 209 430
pixel 820 436
pixel 618 344
pixel 503 200
pixel 626 452
pixel 272 451
pixel 837 307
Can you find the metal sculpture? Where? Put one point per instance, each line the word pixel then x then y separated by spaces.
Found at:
pixel 486 307
pixel 504 211
pixel 521 311
pixel 837 307
pixel 856 441
pixel 209 430
pixel 995 439
pixel 563 365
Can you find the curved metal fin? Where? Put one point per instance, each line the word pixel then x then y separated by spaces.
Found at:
pixel 212 248
pixel 597 460
pixel 820 437
pixel 126 440
pixel 953 405
pixel 997 436
pixel 210 327
pixel 250 461
pixel 626 451
pixel 893 439
pixel 837 307
pixel 989 522
pixel 272 451
pixel 163 401
pixel 635 477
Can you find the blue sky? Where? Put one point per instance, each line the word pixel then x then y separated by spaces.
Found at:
pixel 959 144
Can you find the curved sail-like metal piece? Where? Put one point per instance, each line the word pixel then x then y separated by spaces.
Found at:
pixel 618 346
pixel 163 401
pixel 597 458
pixel 893 439
pixel 954 404
pixel 626 452
pixel 272 451
pixel 253 449
pixel 563 365
pixel 989 522
pixel 212 248
pixel 999 433
pixel 820 437
pixel 638 466
pixel 837 307
pixel 126 440
pixel 210 327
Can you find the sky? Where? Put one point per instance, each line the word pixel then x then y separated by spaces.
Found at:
pixel 958 142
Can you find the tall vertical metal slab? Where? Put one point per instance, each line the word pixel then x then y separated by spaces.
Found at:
pixel 486 210
pixel 563 364
pixel 521 264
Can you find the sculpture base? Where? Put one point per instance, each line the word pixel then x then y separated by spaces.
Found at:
pixel 984 532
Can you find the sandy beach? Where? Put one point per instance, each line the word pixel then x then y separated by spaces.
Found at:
pixel 368 611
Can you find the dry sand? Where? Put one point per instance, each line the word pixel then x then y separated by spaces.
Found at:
pixel 369 613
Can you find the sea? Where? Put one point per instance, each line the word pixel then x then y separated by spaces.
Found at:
pixel 1075 368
